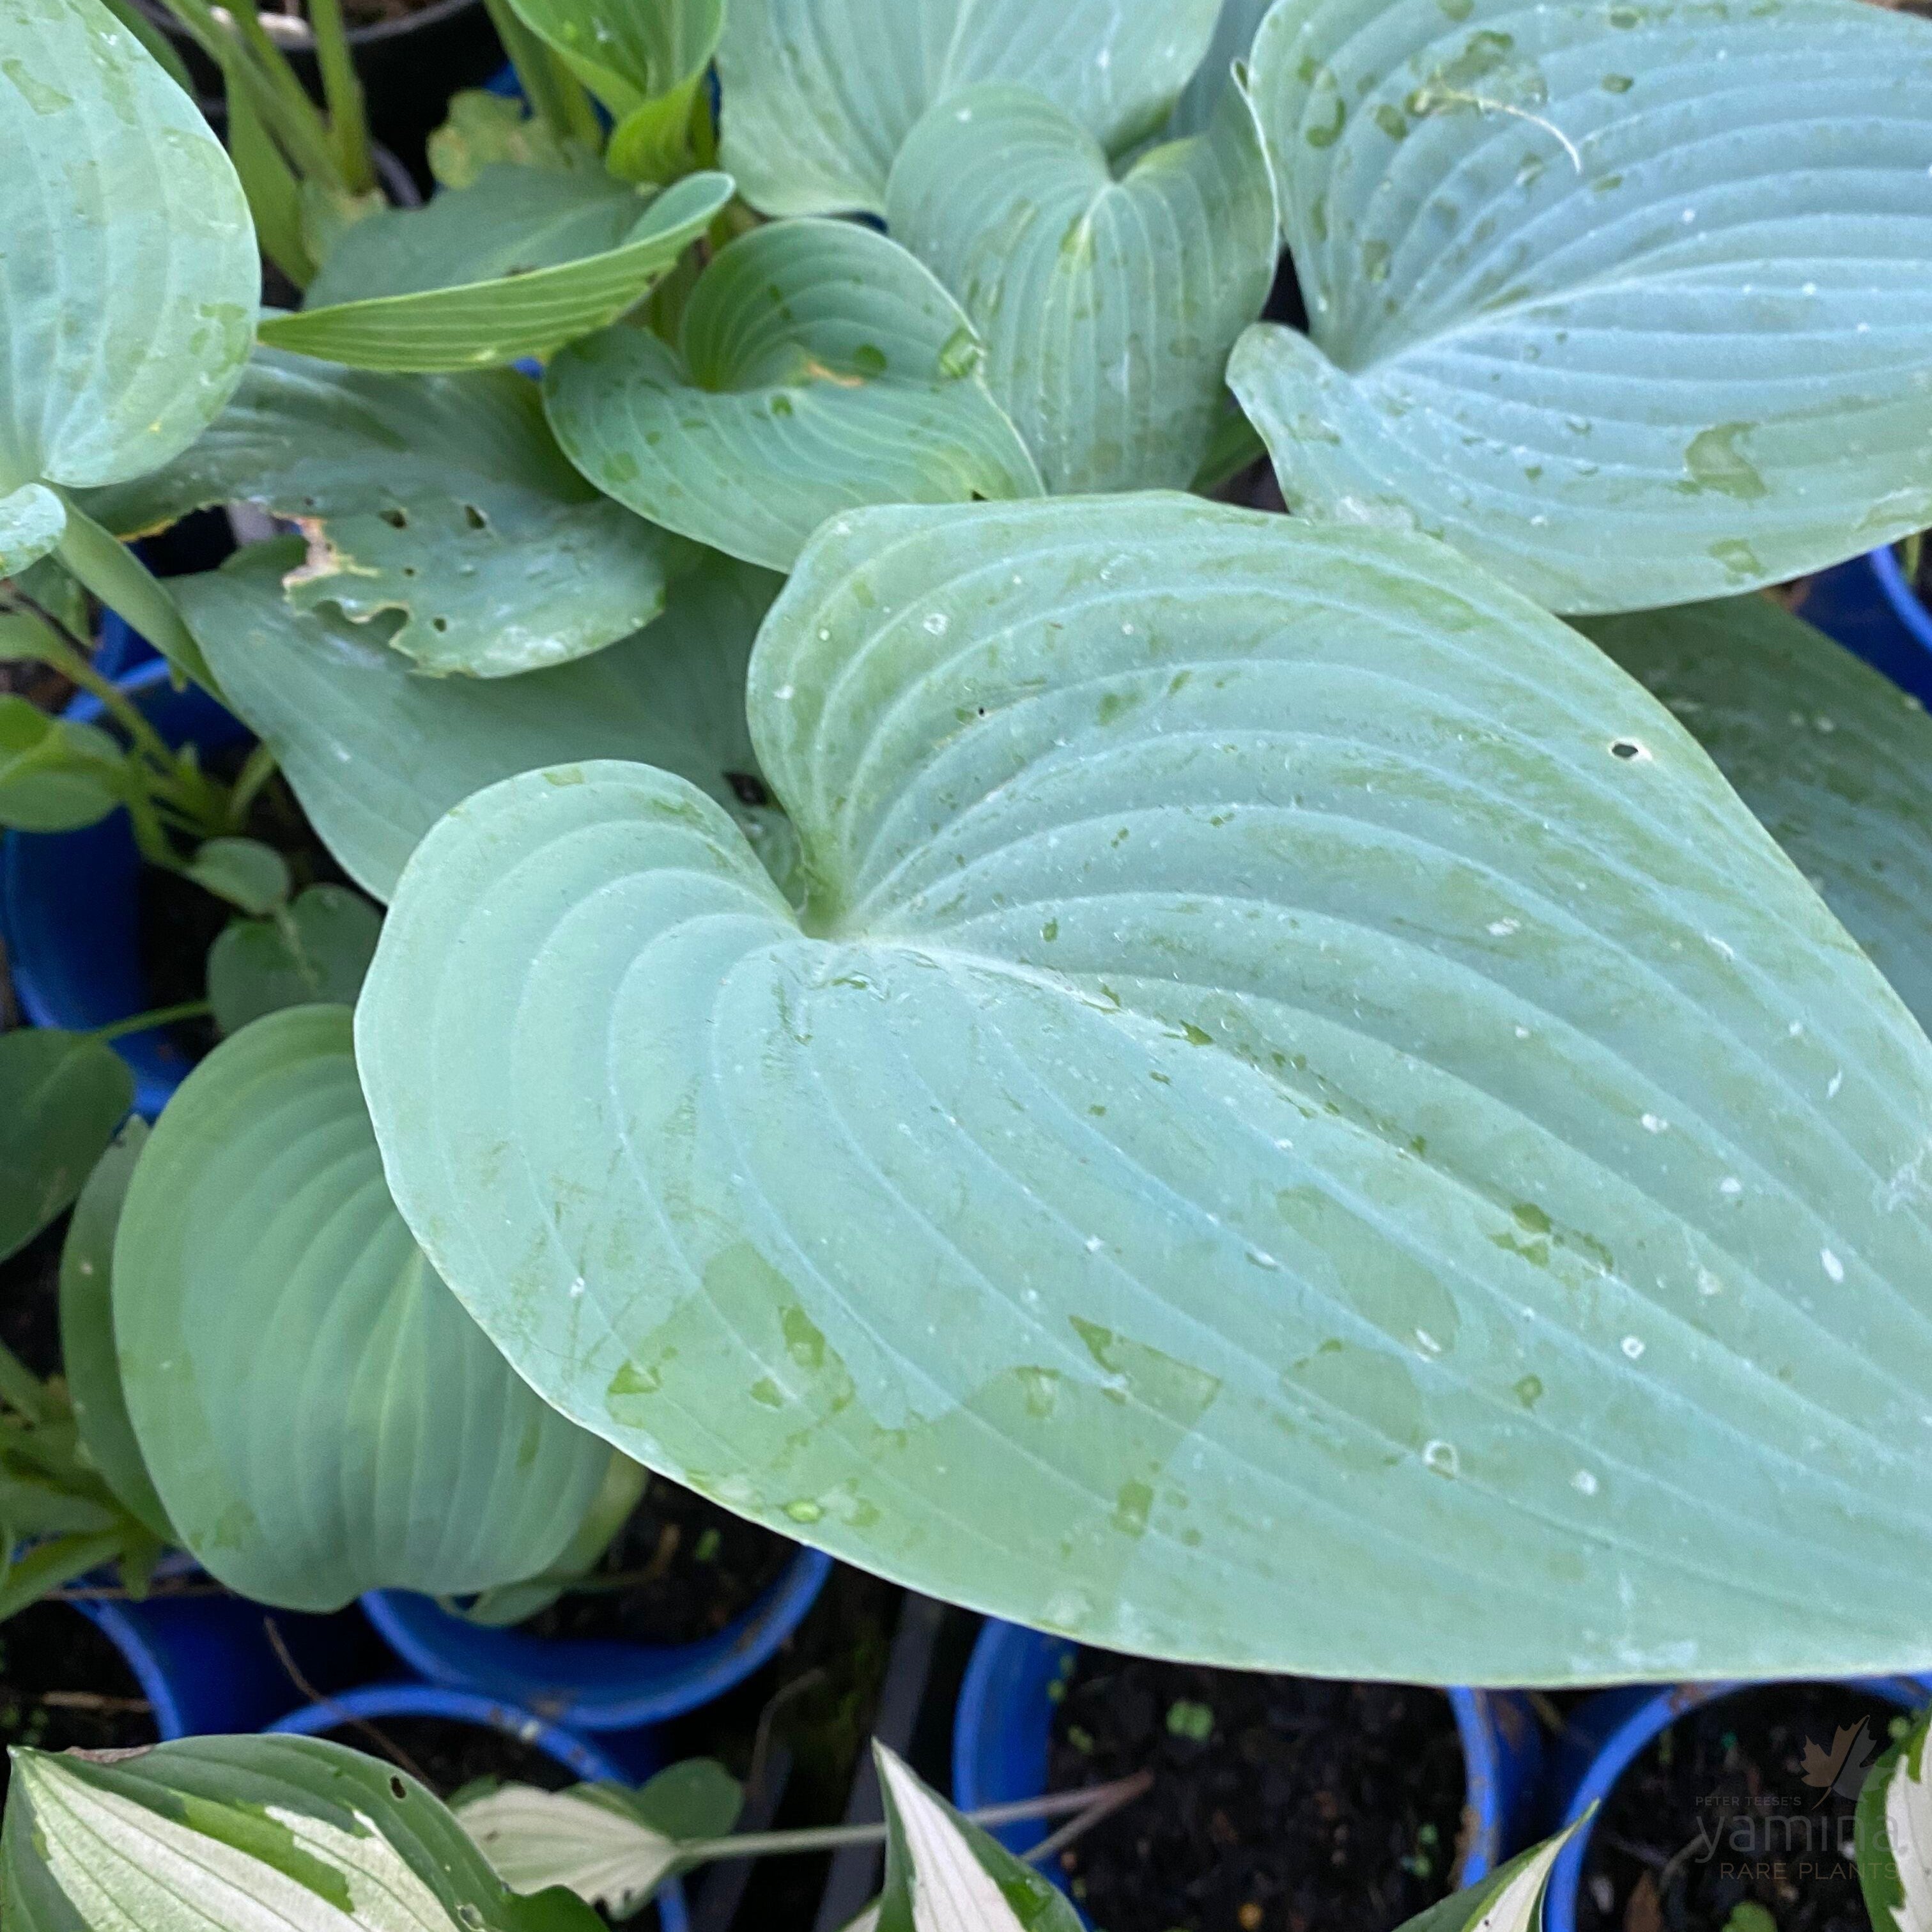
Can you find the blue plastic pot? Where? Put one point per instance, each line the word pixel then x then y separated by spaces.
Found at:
pixel 1869 607
pixel 1604 1735
pixel 624 1760
pixel 1002 1723
pixel 68 900
pixel 595 1685
pixel 206 1666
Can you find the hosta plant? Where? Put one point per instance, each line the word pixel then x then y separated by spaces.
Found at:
pixel 248 1831
pixel 926 967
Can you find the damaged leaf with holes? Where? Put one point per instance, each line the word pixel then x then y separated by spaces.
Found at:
pixel 439 513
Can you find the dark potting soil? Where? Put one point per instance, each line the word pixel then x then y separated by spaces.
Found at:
pixel 63 1686
pixel 1746 1801
pixel 680 1569
pixel 30 1304
pixel 1279 1804
pixel 446 1755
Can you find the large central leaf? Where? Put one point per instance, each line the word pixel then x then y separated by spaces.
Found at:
pixel 440 512
pixel 820 368
pixel 819 94
pixel 127 269
pixel 1297 1084
pixel 319 1415
pixel 1632 303
pixel 1108 307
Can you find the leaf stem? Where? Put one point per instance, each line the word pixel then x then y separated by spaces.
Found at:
pixel 342 89
pixel 159 1016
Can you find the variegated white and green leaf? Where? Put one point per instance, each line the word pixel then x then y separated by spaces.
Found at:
pixel 821 368
pixel 1631 303
pixel 212 1834
pixel 945 1874
pixel 602 1851
pixel 819 94
pixel 1894 1836
pixel 1108 306
pixel 1313 1077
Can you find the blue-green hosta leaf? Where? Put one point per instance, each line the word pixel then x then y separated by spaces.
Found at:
pixel 821 368
pixel 514 219
pixel 1260 1074
pixel 88 1357
pixel 944 1873
pixel 440 504
pixel 32 520
pixel 433 326
pixel 1894 1836
pixel 631 54
pixel 127 270
pixel 61 1097
pixel 319 1416
pixel 377 755
pixel 819 94
pixel 1633 303
pixel 314 952
pixel 207 1833
pixel 1108 307
pixel 1234 38
pixel 1835 760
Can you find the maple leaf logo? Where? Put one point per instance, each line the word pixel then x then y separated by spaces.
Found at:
pixel 1841 1769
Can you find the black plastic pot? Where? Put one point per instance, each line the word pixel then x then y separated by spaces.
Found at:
pixel 409 67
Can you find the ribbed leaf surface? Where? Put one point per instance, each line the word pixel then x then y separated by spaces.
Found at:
pixel 319 1416
pixel 1292 1064
pixel 1108 307
pixel 128 275
pixel 819 94
pixel 1835 760
pixel 822 368
pixel 477 323
pixel 1632 303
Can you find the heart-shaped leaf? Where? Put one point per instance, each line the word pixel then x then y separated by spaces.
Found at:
pixel 295 1833
pixel 319 1416
pixel 314 952
pixel 87 1354
pixel 128 276
pixel 822 368
pixel 1292 1063
pixel 55 776
pixel 1632 305
pixel 440 505
pixel 819 94
pixel 377 755
pixel 1107 308
pixel 61 1097
pixel 628 55
pixel 433 327
pixel 1835 760
pixel 248 874
pixel 484 129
